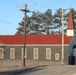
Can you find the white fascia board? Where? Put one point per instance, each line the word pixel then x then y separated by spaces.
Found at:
pixel 36 45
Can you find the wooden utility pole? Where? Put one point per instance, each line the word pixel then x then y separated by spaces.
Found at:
pixel 62 36
pixel 25 7
pixel 25 10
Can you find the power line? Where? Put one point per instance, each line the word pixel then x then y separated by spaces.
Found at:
pixel 8 23
pixel 40 4
pixel 16 1
pixel 43 5
pixel 13 3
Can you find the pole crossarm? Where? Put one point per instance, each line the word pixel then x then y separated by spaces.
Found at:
pixel 25 10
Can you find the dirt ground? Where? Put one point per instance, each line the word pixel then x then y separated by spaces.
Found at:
pixel 51 68
pixel 56 70
pixel 7 65
pixel 43 70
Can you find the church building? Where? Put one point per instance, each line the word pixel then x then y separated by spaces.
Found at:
pixel 41 47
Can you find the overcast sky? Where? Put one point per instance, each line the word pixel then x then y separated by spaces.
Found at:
pixel 10 15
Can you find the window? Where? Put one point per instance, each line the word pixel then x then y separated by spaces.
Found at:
pixel 25 52
pixel 56 56
pixel 1 53
pixel 35 53
pixel 48 53
pixel 12 53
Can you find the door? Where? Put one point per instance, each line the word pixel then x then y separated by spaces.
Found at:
pixel 74 54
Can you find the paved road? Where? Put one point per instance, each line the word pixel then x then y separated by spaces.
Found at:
pixel 46 70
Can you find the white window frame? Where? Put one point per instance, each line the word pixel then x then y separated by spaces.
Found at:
pixel 70 32
pixel 56 56
pixel 35 54
pixel 25 53
pixel 2 54
pixel 48 58
pixel 13 53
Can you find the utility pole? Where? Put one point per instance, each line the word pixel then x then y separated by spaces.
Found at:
pixel 25 10
pixel 25 7
pixel 63 34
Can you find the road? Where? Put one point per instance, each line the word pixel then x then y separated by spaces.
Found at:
pixel 46 70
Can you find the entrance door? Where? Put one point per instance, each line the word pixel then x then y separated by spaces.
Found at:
pixel 74 54
pixel 72 57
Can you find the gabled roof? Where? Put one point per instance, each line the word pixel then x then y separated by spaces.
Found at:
pixel 70 21
pixel 34 39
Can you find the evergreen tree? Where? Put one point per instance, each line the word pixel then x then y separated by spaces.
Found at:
pixel 20 30
pixel 47 21
pixel 38 23
pixel 35 23
pixel 57 18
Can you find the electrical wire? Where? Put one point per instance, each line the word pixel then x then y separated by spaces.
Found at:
pixel 11 2
pixel 8 23
pixel 42 4
pixel 16 1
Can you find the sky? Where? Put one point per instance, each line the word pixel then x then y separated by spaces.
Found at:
pixel 10 14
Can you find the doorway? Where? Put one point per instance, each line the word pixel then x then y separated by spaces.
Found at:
pixel 72 57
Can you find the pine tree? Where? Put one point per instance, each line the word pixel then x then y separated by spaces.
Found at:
pixel 47 21
pixel 57 18
pixel 20 29
pixel 38 23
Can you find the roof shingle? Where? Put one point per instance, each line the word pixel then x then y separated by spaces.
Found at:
pixel 70 21
pixel 34 39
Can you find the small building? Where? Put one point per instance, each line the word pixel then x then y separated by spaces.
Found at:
pixel 39 47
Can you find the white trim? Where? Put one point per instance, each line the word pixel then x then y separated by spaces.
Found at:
pixel 48 52
pixel 56 56
pixel 34 53
pixel 2 54
pixel 12 49
pixel 25 53
pixel 36 45
pixel 70 32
